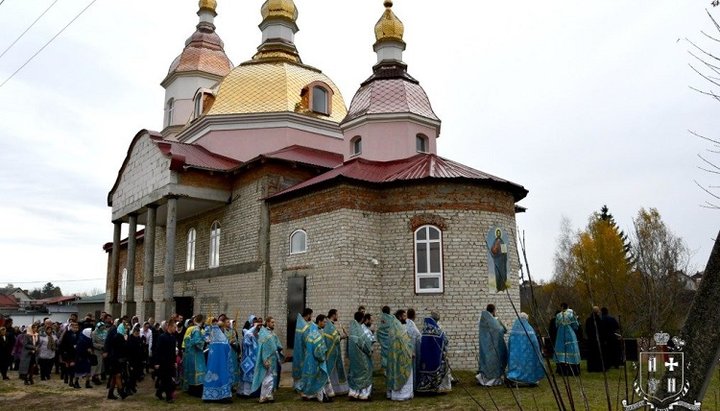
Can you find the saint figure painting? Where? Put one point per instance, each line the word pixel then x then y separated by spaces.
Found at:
pixel 498 262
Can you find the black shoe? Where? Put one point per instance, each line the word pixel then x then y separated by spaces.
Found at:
pixel 158 395
pixel 65 378
pixel 32 381
pixel 87 384
pixel 96 380
pixel 123 394
pixel 76 384
pixel 27 382
pixel 170 401
pixel 327 399
pixel 111 395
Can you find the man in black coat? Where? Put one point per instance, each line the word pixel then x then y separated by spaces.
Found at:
pixel 614 340
pixel 165 362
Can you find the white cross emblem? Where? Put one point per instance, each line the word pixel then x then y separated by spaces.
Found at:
pixel 672 364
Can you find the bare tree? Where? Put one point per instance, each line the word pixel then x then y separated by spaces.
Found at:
pixel 707 65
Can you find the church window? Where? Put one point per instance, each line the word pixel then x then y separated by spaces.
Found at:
pixel 298 242
pixel 214 245
pixel 191 237
pixel 356 146
pixel 320 100
pixel 169 109
pixel 421 143
pixel 428 260
pixel 123 285
pixel 198 110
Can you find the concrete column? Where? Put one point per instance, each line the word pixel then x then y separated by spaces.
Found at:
pixel 113 283
pixel 129 305
pixel 169 293
pixel 149 266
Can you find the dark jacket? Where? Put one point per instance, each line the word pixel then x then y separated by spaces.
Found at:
pixel 165 353
pixel 67 346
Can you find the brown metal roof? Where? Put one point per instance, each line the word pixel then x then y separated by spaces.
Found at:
pixel 418 167
pixel 307 155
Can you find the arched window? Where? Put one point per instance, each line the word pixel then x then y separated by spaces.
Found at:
pixel 198 110
pixel 169 108
pixel 298 242
pixel 428 260
pixel 123 285
pixel 190 261
pixel 320 100
pixel 214 245
pixel 356 145
pixel 421 143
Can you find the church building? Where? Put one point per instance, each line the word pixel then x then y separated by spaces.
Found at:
pixel 264 194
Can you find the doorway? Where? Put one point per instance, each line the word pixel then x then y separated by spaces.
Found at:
pixel 185 306
pixel 295 305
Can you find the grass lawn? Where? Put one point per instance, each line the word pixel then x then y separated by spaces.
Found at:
pixel 58 396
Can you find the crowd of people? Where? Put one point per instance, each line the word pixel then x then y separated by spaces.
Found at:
pixel 215 359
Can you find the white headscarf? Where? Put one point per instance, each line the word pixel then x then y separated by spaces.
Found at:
pixel 87 332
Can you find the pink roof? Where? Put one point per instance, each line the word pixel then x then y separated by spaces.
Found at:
pixel 385 96
pixel 418 167
pixel 196 156
pixel 204 51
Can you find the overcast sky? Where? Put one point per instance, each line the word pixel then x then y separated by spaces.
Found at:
pixel 583 103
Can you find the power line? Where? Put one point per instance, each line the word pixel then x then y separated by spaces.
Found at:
pixel 1 2
pixel 48 43
pixel 27 29
pixel 53 281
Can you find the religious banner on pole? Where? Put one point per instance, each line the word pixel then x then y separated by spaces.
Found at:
pixel 498 262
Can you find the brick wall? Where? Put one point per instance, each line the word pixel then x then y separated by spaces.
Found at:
pixel 146 171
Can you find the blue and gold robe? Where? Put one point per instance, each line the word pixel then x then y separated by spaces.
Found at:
pixel 525 362
pixel 298 355
pixel 219 376
pixel 194 367
pixel 493 351
pixel 360 355
pixel 567 350
pixel 432 365
pixel 314 372
pixel 335 366
pixel 269 353
pixel 399 355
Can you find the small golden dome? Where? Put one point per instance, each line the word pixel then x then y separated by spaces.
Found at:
pixel 389 27
pixel 284 9
pixel 208 5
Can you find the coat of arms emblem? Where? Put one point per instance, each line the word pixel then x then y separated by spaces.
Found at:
pixel 661 379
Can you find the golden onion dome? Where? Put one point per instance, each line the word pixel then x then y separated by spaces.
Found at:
pixel 273 87
pixel 208 5
pixel 389 27
pixel 284 9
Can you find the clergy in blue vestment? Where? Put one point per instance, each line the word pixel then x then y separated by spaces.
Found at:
pixel 399 372
pixel 249 358
pixel 194 367
pixel 525 361
pixel 268 358
pixel 302 325
pixel 360 355
pixel 433 371
pixel 336 368
pixel 383 335
pixel 493 351
pixel 315 378
pixel 567 351
pixel 236 346
pixel 218 378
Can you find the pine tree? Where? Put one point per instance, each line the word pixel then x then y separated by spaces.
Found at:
pixel 606 216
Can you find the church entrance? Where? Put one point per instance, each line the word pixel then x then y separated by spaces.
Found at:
pixel 185 306
pixel 295 305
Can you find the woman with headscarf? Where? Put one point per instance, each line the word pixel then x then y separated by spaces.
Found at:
pixel 98 339
pixel 29 352
pixel 525 361
pixel 218 382
pixel 433 371
pixel 46 352
pixel 83 352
